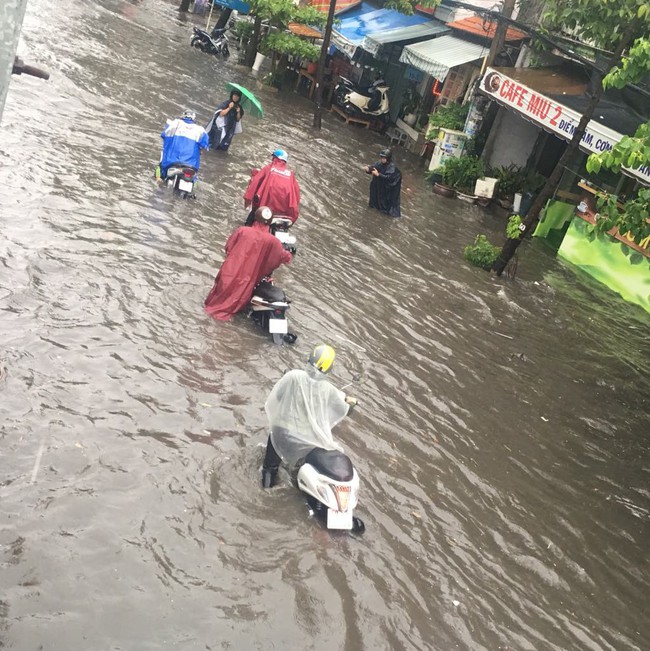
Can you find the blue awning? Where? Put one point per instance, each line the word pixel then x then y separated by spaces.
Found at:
pixel 365 19
pixel 373 42
pixel 237 5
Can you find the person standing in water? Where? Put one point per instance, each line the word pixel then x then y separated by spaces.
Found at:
pixel 386 185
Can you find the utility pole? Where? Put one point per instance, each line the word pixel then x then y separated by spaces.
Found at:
pixel 11 20
pixel 499 39
pixel 318 109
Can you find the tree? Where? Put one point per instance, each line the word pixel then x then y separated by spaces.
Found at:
pixel 631 152
pixel 609 25
pixel 278 13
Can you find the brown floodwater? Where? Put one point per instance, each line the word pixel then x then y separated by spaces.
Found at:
pixel 501 439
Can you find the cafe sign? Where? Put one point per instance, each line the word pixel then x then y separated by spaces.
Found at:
pixel 553 116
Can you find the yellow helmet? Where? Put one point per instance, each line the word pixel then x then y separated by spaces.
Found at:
pixel 322 358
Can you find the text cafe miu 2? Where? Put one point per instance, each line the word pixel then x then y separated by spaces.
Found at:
pixel 545 111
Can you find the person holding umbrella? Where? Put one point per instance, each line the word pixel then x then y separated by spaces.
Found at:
pixel 226 122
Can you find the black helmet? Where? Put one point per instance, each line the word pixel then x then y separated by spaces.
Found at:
pixel 386 153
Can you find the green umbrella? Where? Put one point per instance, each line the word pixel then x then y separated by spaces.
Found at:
pixel 248 100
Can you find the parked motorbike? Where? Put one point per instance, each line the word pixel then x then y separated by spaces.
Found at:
pixel 269 305
pixel 355 101
pixel 183 180
pixel 216 42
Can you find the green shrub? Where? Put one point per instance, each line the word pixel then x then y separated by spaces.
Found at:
pixel 512 229
pixel 511 179
pixel 449 117
pixel 462 173
pixel 482 253
pixel 284 43
pixel 243 30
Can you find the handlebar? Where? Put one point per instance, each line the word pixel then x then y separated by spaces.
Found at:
pixel 20 68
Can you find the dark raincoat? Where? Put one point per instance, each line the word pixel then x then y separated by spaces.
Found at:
pixel 385 189
pixel 221 136
pixel 276 186
pixel 251 254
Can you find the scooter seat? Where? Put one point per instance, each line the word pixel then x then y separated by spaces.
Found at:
pixel 270 293
pixel 331 463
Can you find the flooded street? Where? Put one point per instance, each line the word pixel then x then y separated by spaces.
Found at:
pixel 501 437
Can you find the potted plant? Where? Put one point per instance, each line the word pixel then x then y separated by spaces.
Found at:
pixel 511 179
pixel 461 174
pixel 451 117
pixel 263 50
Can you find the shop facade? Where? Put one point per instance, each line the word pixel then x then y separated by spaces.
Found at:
pixel 532 129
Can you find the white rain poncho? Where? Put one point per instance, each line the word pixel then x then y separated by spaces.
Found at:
pixel 302 410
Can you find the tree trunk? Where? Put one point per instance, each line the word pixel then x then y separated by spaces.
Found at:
pixel 547 191
pixel 185 5
pixel 223 18
pixel 318 109
pixel 253 43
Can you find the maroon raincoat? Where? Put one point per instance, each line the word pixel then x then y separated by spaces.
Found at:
pixel 277 188
pixel 251 254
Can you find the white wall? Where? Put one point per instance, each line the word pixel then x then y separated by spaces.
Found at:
pixel 511 139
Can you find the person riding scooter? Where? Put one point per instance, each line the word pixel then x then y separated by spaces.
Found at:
pixel 183 140
pixel 302 409
pixel 275 186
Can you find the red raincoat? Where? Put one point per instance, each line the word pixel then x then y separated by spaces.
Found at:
pixel 277 188
pixel 251 254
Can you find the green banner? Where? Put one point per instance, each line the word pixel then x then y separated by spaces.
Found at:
pixel 609 261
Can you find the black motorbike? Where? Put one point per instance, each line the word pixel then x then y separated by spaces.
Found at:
pixel 268 306
pixel 216 42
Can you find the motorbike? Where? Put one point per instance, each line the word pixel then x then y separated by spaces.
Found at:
pixel 183 180
pixel 216 42
pixel 331 483
pixel 354 101
pixel 269 305
pixel 280 228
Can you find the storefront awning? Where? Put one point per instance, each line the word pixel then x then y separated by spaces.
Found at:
pixel 237 5
pixel 298 29
pixel 372 42
pixel 477 26
pixel 549 113
pixel 365 20
pixel 438 55
pixel 341 5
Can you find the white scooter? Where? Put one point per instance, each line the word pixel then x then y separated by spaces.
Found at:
pixel 331 484
pixel 374 102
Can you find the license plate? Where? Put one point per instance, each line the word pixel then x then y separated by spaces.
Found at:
pixel 278 326
pixel 339 519
pixel 186 186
